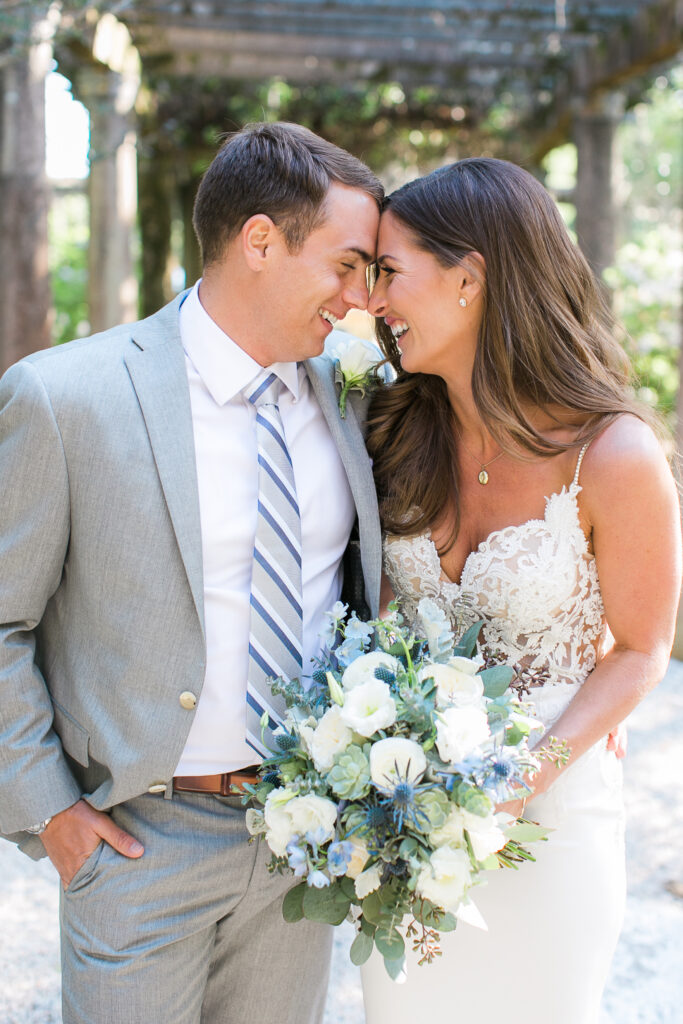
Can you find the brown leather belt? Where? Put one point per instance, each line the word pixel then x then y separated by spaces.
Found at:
pixel 218 785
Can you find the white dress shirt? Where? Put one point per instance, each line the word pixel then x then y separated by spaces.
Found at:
pixel 224 426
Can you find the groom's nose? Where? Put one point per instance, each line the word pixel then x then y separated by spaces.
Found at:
pixel 355 295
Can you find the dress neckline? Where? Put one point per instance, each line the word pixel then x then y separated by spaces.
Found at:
pixel 570 491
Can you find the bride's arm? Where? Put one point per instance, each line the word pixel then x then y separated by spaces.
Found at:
pixel 386 595
pixel 629 500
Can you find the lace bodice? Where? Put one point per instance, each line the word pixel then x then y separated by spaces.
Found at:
pixel 535 586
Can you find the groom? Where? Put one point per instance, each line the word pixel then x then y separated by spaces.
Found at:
pixel 175 522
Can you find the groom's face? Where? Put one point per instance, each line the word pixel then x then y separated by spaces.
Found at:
pixel 307 291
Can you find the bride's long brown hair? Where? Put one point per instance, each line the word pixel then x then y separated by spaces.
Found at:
pixel 546 339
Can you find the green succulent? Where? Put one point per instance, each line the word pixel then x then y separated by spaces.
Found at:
pixel 436 805
pixel 349 777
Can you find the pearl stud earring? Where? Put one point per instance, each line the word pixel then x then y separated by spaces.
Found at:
pixel 463 301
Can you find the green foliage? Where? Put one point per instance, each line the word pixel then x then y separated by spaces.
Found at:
pixel 68 255
pixel 645 278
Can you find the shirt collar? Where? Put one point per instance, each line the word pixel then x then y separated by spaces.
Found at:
pixel 224 368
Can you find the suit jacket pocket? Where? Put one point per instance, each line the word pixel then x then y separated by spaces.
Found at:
pixel 73 736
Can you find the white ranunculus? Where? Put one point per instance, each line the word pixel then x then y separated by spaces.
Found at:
pixel 456 682
pixel 330 737
pixel 356 357
pixel 394 759
pixel 359 856
pixel 255 821
pixel 452 832
pixel 446 878
pixel 287 815
pixel 486 834
pixel 362 670
pixel 459 731
pixel 369 707
pixel 368 881
pixel 278 820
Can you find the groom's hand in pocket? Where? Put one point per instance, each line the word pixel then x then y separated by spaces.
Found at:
pixel 73 834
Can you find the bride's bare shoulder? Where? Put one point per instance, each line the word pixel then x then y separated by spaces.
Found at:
pixel 625 461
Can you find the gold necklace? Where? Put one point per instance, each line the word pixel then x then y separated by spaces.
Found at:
pixel 483 477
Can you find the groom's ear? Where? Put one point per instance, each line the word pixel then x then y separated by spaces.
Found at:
pixel 258 234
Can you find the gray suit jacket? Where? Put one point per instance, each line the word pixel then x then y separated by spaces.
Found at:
pixel 101 590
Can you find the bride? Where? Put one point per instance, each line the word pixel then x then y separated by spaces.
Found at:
pixel 521 482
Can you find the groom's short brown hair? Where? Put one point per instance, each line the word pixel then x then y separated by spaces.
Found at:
pixel 278 169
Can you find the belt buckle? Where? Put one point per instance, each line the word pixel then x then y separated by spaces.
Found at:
pixel 226 784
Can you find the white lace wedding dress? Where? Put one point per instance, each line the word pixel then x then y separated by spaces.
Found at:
pixel 553 924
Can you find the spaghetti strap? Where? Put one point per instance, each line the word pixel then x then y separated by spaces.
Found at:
pixel 578 464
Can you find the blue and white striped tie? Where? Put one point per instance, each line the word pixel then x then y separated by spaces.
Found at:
pixel 275 626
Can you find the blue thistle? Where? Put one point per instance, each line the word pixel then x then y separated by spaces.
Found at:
pixel 285 741
pixel 385 675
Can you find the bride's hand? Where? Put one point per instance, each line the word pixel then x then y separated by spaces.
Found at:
pixel 618 740
pixel 515 808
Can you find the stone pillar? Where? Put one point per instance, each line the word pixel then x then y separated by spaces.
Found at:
pixel 112 191
pixel 593 131
pixel 25 298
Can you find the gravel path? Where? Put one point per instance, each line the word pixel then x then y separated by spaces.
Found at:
pixel 646 986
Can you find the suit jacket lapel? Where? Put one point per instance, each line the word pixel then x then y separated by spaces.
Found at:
pixel 351 445
pixel 156 364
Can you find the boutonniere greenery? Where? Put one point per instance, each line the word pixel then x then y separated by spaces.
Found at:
pixel 356 364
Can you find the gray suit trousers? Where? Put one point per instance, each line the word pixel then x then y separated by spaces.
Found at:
pixel 192 932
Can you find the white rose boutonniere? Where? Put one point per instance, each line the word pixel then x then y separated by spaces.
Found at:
pixel 355 363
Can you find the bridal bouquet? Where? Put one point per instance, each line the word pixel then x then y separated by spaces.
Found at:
pixel 381 796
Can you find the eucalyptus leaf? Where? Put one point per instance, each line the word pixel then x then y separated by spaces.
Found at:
pixel 390 943
pixel 448 922
pixel 367 926
pixel 527 832
pixel 292 904
pixel 372 908
pixel 468 642
pixel 496 679
pixel 328 905
pixel 361 948
pixel 394 967
pixel 514 735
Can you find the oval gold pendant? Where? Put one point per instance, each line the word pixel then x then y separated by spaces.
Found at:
pixel 483 477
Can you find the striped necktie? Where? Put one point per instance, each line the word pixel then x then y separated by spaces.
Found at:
pixel 275 626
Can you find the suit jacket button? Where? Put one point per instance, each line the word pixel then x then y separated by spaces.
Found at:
pixel 188 700
pixel 157 787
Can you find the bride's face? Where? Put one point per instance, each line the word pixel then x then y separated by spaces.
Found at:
pixel 419 300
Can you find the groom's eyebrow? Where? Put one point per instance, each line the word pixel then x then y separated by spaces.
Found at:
pixel 366 257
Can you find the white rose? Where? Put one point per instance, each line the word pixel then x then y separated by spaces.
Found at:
pixel 362 670
pixel 306 733
pixel 456 682
pixel 394 759
pixel 355 357
pixel 459 731
pixel 359 856
pixel 486 835
pixel 452 832
pixel 368 881
pixel 311 813
pixel 369 707
pixel 330 737
pixel 278 821
pixel 446 878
